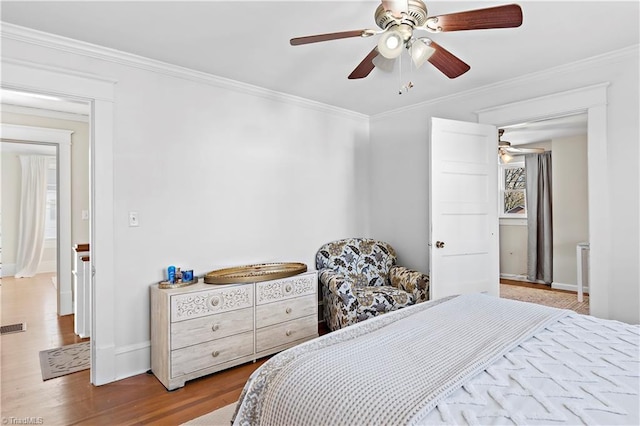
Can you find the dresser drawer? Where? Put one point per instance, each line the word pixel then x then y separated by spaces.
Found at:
pixel 286 288
pixel 204 329
pixel 286 332
pixel 208 354
pixel 202 303
pixel 285 310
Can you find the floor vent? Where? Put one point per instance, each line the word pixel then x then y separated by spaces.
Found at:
pixel 14 328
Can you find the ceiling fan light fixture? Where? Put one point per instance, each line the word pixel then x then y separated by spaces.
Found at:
pixel 383 64
pixel 421 51
pixel 505 157
pixel 390 44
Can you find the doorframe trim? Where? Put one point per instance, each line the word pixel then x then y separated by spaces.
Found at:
pixel 100 93
pixel 593 101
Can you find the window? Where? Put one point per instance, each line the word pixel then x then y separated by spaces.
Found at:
pixel 512 190
pixel 50 224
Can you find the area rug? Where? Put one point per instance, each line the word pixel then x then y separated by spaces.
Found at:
pixel 65 360
pixel 220 417
pixel 543 296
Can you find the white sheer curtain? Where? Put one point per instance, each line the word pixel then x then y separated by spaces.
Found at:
pixel 33 207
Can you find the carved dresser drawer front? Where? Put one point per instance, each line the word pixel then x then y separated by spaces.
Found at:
pixel 286 288
pixel 208 354
pixel 211 327
pixel 198 304
pixel 286 332
pixel 285 310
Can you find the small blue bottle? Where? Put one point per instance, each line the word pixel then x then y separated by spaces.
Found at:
pixel 171 274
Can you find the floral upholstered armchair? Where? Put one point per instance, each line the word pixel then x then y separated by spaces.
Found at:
pixel 360 279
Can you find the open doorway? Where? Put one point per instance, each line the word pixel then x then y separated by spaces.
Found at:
pixel 565 137
pixel 25 255
pixel 32 122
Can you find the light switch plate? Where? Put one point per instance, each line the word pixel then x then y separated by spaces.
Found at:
pixel 133 219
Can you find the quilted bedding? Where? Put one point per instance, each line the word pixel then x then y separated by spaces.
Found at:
pixel 471 359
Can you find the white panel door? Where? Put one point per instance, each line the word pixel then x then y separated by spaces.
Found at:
pixel 464 256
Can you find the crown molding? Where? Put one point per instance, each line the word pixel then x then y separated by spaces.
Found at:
pixel 573 67
pixel 69 45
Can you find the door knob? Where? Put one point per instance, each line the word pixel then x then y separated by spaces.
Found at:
pixel 439 244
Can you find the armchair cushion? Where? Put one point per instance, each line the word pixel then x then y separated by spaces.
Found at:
pixel 375 300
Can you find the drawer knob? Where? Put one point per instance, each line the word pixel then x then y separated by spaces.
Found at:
pixel 215 327
pixel 215 353
pixel 215 301
pixel 288 333
pixel 288 310
pixel 288 288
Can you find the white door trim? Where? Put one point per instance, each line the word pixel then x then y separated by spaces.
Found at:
pixel 62 140
pixel 100 92
pixel 593 100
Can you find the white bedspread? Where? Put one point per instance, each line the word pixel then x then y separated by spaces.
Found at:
pixel 475 358
pixel 579 370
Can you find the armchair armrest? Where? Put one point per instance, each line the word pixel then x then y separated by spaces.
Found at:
pixel 338 285
pixel 411 281
pixel 340 303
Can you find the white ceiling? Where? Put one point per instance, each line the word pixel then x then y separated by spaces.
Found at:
pixel 249 42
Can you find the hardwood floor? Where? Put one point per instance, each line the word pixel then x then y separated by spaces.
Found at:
pixel 72 399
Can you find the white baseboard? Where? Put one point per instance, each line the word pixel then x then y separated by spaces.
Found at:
pixel 132 360
pixel 569 287
pixel 516 277
pixel 66 305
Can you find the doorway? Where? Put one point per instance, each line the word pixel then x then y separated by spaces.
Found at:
pixel 12 155
pixel 34 121
pixel 37 119
pixel 566 138
pixel 591 100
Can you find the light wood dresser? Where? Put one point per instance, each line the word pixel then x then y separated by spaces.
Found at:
pixel 202 328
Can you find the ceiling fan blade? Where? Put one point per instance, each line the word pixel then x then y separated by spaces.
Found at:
pixel 365 67
pixel 508 16
pixel 329 36
pixel 449 64
pixel 396 7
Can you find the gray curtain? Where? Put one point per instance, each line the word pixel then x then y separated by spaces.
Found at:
pixel 539 220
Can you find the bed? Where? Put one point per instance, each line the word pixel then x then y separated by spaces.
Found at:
pixel 469 359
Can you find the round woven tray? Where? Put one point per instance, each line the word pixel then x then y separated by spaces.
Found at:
pixel 254 273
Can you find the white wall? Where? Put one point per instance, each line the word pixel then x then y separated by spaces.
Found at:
pixel 513 248
pixel 220 175
pixel 570 206
pixel 11 178
pixel 400 158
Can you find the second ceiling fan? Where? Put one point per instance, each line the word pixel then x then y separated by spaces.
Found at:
pixel 399 20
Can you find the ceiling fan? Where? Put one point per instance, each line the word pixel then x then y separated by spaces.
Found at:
pixel 507 151
pixel 400 19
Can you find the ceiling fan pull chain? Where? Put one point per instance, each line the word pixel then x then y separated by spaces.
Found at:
pixel 403 87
